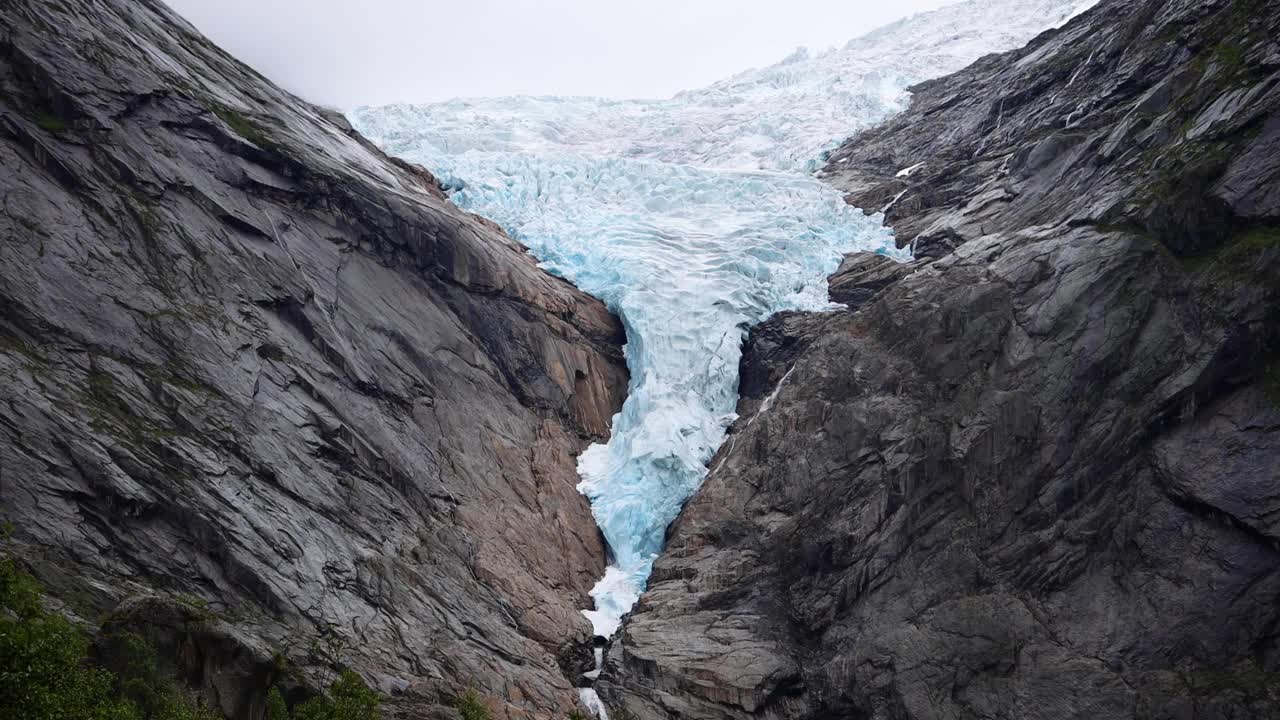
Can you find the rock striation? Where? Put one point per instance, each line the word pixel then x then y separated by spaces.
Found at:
pixel 1035 473
pixel 250 363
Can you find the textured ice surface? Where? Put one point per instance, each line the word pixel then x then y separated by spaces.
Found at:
pixel 776 118
pixel 693 218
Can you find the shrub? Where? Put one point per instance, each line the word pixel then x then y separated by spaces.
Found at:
pixel 133 660
pixel 43 673
pixel 46 672
pixel 276 709
pixel 470 707
pixel 348 699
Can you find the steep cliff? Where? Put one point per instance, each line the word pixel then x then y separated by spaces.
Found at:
pixel 1036 472
pixel 249 363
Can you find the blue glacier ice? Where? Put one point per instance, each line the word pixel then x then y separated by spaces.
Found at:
pixel 693 218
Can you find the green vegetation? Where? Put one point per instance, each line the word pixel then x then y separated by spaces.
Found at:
pixel 50 122
pixel 1229 54
pixel 243 126
pixel 348 699
pixel 51 670
pixel 1248 245
pixel 1244 677
pixel 1235 32
pixel 138 681
pixel 1238 257
pixel 47 673
pixel 276 708
pixel 198 607
pixel 470 707
pixel 111 412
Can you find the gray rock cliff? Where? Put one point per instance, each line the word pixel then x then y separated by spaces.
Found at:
pixel 249 363
pixel 1035 473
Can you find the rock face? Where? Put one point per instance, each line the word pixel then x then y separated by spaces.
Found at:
pixel 1036 474
pixel 248 360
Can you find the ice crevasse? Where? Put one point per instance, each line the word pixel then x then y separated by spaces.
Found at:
pixel 693 218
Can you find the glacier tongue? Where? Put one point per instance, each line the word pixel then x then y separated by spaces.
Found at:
pixel 691 218
pixel 689 257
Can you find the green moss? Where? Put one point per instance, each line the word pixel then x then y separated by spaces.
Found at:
pixel 151 226
pixel 1245 678
pixel 18 346
pixel 50 122
pixel 197 607
pixel 33 102
pixel 1237 257
pixel 111 413
pixel 1230 54
pixel 101 385
pixel 1248 245
pixel 1226 39
pixel 243 125
pixel 1174 172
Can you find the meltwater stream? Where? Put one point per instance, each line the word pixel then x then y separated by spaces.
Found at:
pixel 693 218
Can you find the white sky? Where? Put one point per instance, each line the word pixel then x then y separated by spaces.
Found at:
pixel 363 52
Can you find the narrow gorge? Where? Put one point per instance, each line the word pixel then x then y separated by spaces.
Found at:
pixel 934 376
pixel 694 219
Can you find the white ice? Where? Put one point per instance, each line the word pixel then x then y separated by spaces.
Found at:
pixel 592 702
pixel 693 218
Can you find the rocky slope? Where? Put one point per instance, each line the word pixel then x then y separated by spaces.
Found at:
pixel 1035 473
pixel 249 362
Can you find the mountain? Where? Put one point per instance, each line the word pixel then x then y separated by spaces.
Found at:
pixel 1033 472
pixel 270 398
pixel 283 406
pixel 694 218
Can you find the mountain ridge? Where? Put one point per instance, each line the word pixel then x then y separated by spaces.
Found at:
pixel 252 364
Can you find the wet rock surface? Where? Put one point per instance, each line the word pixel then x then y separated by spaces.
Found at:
pixel 1034 475
pixel 246 358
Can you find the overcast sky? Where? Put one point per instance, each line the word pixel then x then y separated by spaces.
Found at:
pixel 357 52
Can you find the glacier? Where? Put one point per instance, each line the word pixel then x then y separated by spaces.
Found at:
pixel 693 218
